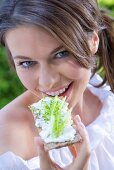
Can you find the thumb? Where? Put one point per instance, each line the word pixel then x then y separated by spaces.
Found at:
pixel 45 161
pixel 40 146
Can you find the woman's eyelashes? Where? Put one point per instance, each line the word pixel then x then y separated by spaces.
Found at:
pixel 62 54
pixel 27 64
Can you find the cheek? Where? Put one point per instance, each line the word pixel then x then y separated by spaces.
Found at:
pixel 74 71
pixel 79 86
pixel 27 78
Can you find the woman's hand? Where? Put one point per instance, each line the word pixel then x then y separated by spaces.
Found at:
pixel 80 162
pixel 83 148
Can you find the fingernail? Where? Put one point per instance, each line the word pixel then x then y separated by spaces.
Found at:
pixel 38 141
pixel 39 144
pixel 78 118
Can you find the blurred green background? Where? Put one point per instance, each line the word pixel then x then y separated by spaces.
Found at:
pixel 10 86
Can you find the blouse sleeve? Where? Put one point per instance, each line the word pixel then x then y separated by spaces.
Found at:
pixel 102 156
pixel 10 161
pixel 101 133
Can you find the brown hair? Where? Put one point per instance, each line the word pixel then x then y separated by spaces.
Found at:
pixel 106 50
pixel 69 21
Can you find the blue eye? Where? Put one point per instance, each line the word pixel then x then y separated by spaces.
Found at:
pixel 62 54
pixel 27 64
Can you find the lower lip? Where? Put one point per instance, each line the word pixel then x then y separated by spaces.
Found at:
pixel 67 91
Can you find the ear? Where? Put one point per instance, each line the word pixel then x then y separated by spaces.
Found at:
pixel 94 42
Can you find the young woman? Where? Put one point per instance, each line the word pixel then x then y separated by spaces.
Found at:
pixel 54 46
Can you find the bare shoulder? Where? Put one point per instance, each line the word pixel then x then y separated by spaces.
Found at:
pixel 16 120
pixel 18 108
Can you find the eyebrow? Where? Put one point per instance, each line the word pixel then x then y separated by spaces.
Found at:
pixel 28 58
pixel 22 57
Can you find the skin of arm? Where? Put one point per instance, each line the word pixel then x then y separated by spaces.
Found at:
pixel 17 128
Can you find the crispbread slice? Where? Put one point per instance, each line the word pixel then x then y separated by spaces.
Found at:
pixel 55 145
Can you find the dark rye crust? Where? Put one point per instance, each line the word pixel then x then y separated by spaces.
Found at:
pixel 55 145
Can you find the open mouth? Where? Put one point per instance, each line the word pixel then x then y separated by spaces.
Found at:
pixel 67 91
pixel 64 92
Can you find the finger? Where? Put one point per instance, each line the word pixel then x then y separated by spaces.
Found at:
pixel 84 147
pixel 45 161
pixel 84 144
pixel 80 128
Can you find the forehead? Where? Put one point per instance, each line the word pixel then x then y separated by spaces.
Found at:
pixel 26 39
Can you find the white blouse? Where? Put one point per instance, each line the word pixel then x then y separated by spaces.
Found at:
pixel 101 134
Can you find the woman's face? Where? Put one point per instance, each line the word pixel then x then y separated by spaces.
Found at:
pixel 43 64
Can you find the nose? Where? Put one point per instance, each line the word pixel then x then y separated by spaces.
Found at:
pixel 48 77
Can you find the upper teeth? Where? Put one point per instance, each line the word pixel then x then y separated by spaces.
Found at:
pixel 57 92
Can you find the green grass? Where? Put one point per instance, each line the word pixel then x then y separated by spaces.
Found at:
pixel 106 2
pixel 10 85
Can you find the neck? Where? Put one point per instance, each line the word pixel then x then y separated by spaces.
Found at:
pixel 88 108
